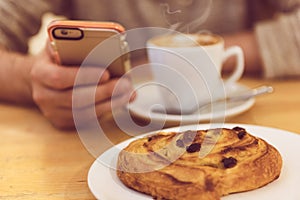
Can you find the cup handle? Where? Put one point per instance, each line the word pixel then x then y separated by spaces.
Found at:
pixel 239 68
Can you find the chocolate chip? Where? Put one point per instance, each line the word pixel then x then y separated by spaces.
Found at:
pixel 238 129
pixel 188 137
pixel 149 139
pixel 179 143
pixel 224 151
pixel 229 162
pixel 193 148
pixel 241 132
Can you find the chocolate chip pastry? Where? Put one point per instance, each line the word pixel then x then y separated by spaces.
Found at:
pixel 202 164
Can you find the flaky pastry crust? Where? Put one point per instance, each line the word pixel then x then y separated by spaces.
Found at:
pixel 202 164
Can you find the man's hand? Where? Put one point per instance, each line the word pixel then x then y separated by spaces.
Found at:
pixel 52 91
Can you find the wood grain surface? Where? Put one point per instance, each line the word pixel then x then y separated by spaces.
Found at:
pixel 38 161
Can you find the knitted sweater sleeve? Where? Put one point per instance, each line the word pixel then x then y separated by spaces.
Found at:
pixel 279 40
pixel 19 21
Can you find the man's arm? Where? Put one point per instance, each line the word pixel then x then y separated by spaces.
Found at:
pixel 15 83
pixel 38 80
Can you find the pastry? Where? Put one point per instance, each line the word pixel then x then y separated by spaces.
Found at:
pixel 202 164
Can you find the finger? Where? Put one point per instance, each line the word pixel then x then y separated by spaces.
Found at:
pixel 66 77
pixel 79 97
pixel 114 104
pixel 88 113
pixel 91 95
pixel 47 97
pixel 69 118
pixel 63 77
pixel 91 76
pixel 117 87
pixel 133 96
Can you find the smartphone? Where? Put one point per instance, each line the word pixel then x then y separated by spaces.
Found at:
pixel 91 43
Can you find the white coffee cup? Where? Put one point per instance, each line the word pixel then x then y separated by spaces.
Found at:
pixel 187 67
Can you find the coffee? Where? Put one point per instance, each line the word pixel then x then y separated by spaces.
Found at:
pixel 186 40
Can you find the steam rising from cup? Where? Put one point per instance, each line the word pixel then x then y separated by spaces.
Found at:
pixel 176 20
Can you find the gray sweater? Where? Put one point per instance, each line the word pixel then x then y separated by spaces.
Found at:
pixel 276 22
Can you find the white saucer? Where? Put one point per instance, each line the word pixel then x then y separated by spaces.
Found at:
pixel 148 97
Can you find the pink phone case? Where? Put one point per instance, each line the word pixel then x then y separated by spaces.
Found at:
pixel 92 43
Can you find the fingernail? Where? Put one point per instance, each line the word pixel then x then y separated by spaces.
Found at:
pixel 133 96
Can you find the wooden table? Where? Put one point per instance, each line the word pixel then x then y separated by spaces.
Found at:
pixel 38 161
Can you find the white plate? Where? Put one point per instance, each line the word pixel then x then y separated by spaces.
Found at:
pixel 105 185
pixel 148 97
